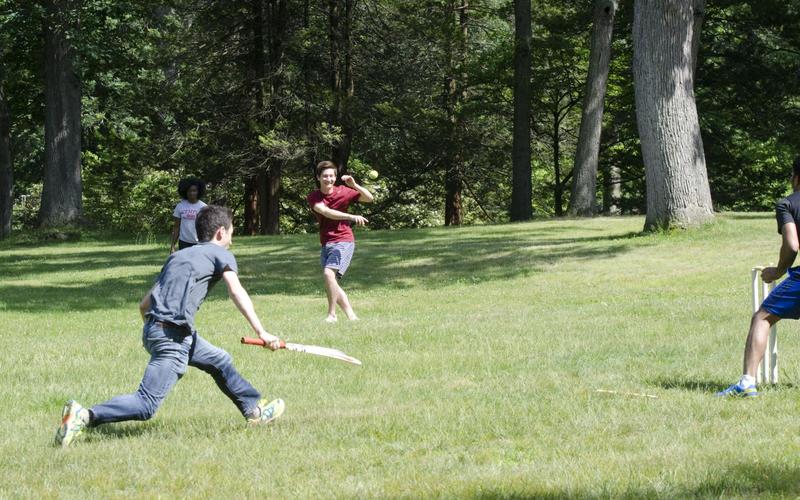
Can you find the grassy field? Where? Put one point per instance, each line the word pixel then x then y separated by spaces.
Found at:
pixel 483 349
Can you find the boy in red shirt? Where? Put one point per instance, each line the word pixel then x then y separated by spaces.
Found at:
pixel 329 204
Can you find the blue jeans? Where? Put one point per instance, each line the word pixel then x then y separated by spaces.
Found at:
pixel 171 350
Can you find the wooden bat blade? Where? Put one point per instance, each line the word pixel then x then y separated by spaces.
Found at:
pixel 322 351
pixel 308 349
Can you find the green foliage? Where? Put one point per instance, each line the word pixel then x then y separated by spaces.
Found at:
pixel 179 87
pixel 150 203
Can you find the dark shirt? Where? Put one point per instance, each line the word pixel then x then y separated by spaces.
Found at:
pixel 788 210
pixel 185 280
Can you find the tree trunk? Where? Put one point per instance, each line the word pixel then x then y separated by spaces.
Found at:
pixel 271 180
pixel 61 189
pixel 6 166
pixel 583 201
pixel 699 17
pixel 558 187
pixel 521 184
pixel 340 15
pixel 678 193
pixel 269 196
pixel 255 179
pixel 456 95
pixel 612 189
pixel 251 211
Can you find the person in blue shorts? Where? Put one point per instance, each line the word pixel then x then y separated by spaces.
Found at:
pixel 784 301
pixel 168 311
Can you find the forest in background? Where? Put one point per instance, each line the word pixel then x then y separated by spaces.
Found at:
pixel 249 95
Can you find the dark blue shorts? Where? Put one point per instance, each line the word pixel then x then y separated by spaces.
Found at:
pixel 784 300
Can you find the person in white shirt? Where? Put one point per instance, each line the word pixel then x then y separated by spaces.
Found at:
pixel 184 233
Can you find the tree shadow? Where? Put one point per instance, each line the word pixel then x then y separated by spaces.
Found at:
pixel 743 479
pixel 432 260
pixel 709 386
pixel 289 265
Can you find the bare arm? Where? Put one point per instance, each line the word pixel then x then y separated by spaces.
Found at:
pixel 144 304
pixel 365 195
pixel 176 231
pixel 242 300
pixel 332 214
pixel 789 248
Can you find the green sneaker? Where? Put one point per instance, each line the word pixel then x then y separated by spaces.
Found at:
pixel 268 411
pixel 74 419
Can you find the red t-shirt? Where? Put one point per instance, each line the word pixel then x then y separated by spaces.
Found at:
pixel 332 231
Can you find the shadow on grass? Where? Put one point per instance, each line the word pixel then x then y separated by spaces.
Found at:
pixel 748 480
pixel 710 386
pixel 426 258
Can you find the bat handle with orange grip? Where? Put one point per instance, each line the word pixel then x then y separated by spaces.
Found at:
pixel 259 342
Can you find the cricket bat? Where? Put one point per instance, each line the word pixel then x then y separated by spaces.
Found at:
pixel 308 349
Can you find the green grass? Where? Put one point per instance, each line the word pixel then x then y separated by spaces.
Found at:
pixel 483 350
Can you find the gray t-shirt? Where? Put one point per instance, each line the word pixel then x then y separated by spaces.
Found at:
pixel 185 280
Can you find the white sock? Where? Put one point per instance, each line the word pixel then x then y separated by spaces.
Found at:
pixel 747 381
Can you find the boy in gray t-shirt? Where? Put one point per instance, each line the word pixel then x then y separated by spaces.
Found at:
pixel 169 336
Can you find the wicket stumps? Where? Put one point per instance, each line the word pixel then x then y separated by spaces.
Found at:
pixel 768 369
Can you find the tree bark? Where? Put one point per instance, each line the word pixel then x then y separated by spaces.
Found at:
pixel 270 184
pixel 612 189
pixel 521 184
pixel 583 200
pixel 678 192
pixel 340 15
pixel 456 95
pixel 61 189
pixel 699 17
pixel 558 186
pixel 6 165
pixel 251 211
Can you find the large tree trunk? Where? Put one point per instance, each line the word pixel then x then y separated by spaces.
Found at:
pixel 521 185
pixel 455 95
pixel 699 17
pixel 262 189
pixel 61 189
pixel 678 193
pixel 583 201
pixel 6 166
pixel 340 15
pixel 270 184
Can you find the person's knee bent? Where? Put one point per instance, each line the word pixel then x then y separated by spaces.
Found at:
pixel 763 315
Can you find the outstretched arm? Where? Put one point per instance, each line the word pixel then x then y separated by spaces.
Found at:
pixel 176 227
pixel 242 300
pixel 789 248
pixel 332 214
pixel 365 195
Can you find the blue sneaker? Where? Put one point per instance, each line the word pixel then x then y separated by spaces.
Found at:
pixel 738 390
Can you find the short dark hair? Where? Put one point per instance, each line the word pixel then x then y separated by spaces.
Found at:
pixel 325 165
pixel 185 184
pixel 211 218
pixel 796 167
